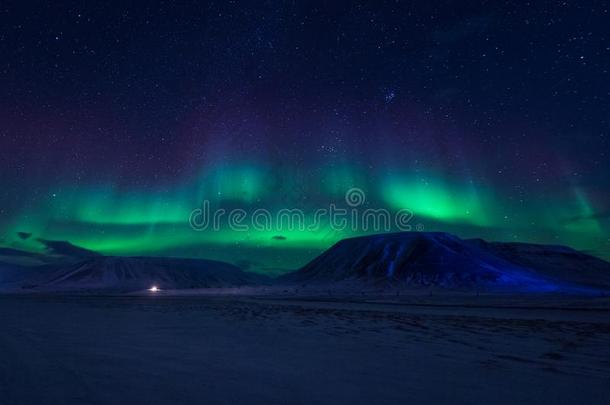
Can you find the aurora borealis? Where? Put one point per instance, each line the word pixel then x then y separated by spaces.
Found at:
pixel 117 121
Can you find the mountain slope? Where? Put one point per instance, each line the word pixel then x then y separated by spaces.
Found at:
pixel 139 273
pixel 440 259
pixel 14 273
pixel 560 263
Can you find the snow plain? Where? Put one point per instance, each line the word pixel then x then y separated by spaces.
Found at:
pixel 234 349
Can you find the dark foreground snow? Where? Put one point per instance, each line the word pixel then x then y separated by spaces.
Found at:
pixel 195 350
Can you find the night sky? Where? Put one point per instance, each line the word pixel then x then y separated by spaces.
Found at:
pixel 486 119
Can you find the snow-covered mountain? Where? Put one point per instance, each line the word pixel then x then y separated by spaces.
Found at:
pixel 110 273
pixel 561 264
pixel 440 259
pixel 410 259
pixel 14 273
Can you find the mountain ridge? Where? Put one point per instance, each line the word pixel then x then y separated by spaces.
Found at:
pixel 442 259
pixel 133 273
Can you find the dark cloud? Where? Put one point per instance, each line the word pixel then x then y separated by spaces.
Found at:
pixel 24 235
pixel 65 248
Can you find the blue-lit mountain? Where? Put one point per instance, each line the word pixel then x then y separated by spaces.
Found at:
pixel 443 260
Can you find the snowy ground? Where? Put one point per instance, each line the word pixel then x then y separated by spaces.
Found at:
pixel 194 349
